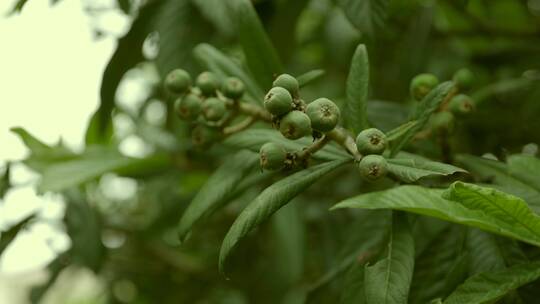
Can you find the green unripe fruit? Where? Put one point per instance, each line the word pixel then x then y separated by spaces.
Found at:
pixel 324 114
pixel 287 82
pixel 204 136
pixel 461 104
pixel 208 83
pixel 422 84
pixel 442 121
pixel 373 167
pixel 371 141
pixel 278 101
pixel 214 109
pixel 188 107
pixel 272 156
pixel 464 79
pixel 178 81
pixel 233 88
pixel 295 125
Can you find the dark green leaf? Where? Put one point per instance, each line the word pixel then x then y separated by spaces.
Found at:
pixel 269 201
pixel 410 170
pixel 5 181
pixel 355 114
pixel 525 168
pixel 309 77
pixel 484 252
pixel 388 280
pixel 261 57
pixel 9 235
pixel 18 6
pixel 368 16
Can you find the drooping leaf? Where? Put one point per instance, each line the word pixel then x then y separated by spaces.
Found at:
pixel 388 280
pixel 368 16
pixel 470 211
pixel 261 57
pixel 488 287
pixel 410 170
pixel 269 201
pixel 253 139
pixel 218 189
pixel 6 237
pixel 426 107
pixel 214 60
pixel 355 112
pixel 309 77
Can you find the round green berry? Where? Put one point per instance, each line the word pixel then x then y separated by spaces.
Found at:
pixel 188 107
pixel 278 101
pixel 204 136
pixel 208 83
pixel 287 82
pixel 422 84
pixel 442 122
pixel 461 104
pixel 464 79
pixel 371 141
pixel 214 109
pixel 233 88
pixel 324 114
pixel 373 167
pixel 295 125
pixel 272 156
pixel 177 81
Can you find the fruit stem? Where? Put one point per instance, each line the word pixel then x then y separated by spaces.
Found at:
pixel 344 139
pixel 255 111
pixel 313 148
pixel 244 124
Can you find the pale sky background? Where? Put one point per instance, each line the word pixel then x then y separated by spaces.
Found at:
pixel 50 73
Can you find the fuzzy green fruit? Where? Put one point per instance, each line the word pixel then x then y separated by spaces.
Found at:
pixel 272 156
pixel 442 122
pixel 233 88
pixel 373 167
pixel 461 104
pixel 188 107
pixel 204 136
pixel 278 101
pixel 287 82
pixel 178 81
pixel 295 125
pixel 324 114
pixel 422 84
pixel 214 109
pixel 464 79
pixel 208 83
pixel 371 141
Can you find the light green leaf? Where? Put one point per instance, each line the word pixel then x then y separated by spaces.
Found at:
pixel 214 60
pixel 355 112
pixel 426 107
pixel 218 189
pixel 476 208
pixel 368 16
pixel 401 130
pixel 488 287
pixel 261 57
pixel 309 77
pixel 410 170
pixel 269 201
pixel 253 139
pixel 388 280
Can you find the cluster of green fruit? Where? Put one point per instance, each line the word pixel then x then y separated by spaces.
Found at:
pixel 459 105
pixel 294 119
pixel 208 102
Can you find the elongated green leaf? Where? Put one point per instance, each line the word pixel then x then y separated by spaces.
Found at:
pixel 253 139
pixel 309 77
pixel 269 201
pixel 388 280
pixel 484 252
pixel 410 170
pixel 400 131
pixel 215 11
pixel 218 189
pixel 521 224
pixel 6 237
pixel 366 15
pixel 387 115
pixel 526 168
pixel 261 57
pixel 217 62
pixel 355 114
pixel 5 181
pixel 426 107
pixel 354 286
pixel 501 87
pixel 487 287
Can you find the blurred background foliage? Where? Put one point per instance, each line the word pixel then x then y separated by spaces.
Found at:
pixel 122 208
